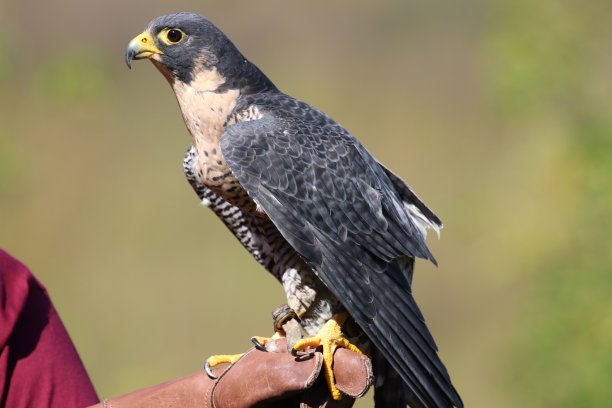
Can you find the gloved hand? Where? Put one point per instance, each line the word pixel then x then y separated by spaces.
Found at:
pixel 271 378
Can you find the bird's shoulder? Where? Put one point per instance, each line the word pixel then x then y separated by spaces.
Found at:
pixel 277 122
pixel 294 153
pixel 285 109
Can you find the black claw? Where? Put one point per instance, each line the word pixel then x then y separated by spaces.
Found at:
pixel 258 344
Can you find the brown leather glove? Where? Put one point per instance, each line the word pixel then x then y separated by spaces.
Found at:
pixel 272 378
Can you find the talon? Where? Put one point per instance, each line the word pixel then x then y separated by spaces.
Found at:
pixel 259 345
pixel 263 340
pixel 260 341
pixel 208 371
pixel 330 338
pixel 214 361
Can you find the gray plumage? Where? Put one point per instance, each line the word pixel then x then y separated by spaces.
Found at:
pixel 310 203
pixel 336 206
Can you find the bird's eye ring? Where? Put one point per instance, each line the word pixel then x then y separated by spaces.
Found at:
pixel 172 36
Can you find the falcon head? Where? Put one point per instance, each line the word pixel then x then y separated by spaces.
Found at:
pixel 187 47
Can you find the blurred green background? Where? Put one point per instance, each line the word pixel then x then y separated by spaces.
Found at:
pixel 498 113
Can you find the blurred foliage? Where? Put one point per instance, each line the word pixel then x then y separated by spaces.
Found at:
pixel 9 163
pixel 565 359
pixel 5 56
pixel 542 52
pixel 545 60
pixel 70 77
pixel 10 153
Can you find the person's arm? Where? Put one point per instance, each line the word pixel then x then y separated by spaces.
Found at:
pixel 39 365
pixel 260 378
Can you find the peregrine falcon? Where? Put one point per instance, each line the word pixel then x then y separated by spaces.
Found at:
pixel 310 203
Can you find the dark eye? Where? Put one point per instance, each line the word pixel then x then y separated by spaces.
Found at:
pixel 174 35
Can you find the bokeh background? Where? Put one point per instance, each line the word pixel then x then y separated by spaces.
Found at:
pixel 498 113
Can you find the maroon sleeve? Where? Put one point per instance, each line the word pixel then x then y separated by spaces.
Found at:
pixel 39 366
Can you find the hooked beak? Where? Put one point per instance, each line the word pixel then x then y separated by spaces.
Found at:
pixel 140 47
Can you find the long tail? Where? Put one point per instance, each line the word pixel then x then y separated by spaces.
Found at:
pixel 390 391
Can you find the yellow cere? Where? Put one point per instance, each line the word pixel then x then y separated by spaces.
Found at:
pixel 144 46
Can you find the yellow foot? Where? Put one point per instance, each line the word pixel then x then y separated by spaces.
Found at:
pixel 217 360
pixel 330 338
pixel 214 361
pixel 260 341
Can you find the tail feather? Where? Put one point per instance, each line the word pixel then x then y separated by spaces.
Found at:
pixel 422 216
pixel 390 391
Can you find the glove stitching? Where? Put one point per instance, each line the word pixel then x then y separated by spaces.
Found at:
pixel 315 374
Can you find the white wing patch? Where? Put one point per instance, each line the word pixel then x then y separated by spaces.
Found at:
pixel 421 221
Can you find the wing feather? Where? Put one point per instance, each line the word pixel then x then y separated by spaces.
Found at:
pixel 341 211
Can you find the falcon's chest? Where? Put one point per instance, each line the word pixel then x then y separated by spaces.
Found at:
pixel 207 113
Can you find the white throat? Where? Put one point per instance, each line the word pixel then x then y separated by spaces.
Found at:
pixel 205 110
